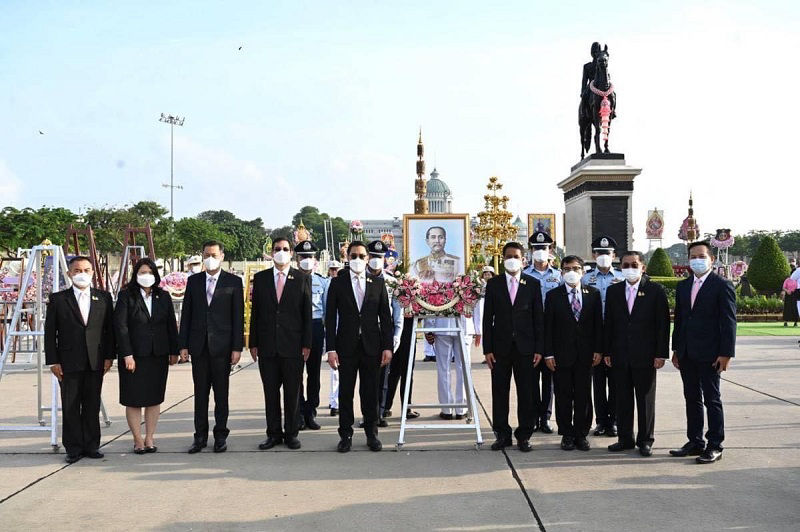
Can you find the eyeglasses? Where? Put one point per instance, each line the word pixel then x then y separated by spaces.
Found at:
pixel 354 256
pixel 627 265
pixel 576 268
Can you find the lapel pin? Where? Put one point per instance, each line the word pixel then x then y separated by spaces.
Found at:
pixel 585 291
pixel 523 281
pixel 369 280
pixel 94 298
pixel 641 294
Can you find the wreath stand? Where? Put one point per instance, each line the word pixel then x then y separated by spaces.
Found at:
pixel 471 404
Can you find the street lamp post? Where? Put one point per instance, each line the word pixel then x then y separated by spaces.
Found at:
pixel 172 121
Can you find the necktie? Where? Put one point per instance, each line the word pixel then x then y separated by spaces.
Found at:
pixel 212 281
pixel 695 288
pixel 281 284
pixel 576 304
pixel 83 303
pixel 359 292
pixel 513 292
pixel 631 298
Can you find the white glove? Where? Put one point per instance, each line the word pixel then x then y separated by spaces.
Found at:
pixel 396 343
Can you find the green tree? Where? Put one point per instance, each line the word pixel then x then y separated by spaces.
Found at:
pixel 790 241
pixel 769 267
pixel 23 228
pixel 314 221
pixel 193 232
pixel 660 265
pixel 246 237
pixel 109 223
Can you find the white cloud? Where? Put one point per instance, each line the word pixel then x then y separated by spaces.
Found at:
pixel 10 186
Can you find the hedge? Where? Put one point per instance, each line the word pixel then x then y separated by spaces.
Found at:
pixel 660 265
pixel 744 305
pixel 769 267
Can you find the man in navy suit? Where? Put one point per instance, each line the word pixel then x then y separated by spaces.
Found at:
pixel 703 343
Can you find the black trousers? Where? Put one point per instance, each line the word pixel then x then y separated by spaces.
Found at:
pixel 573 399
pixel 210 373
pixel 701 386
pixel 366 367
pixel 542 390
pixel 80 406
pixel 605 410
pixel 523 371
pixel 309 395
pixel 395 372
pixel 277 372
pixel 641 384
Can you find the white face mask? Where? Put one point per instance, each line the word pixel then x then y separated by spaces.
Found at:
pixel 632 274
pixel 196 268
pixel 358 265
pixel 541 255
pixel 306 264
pixel 212 263
pixel 512 265
pixel 146 280
pixel 282 258
pixel 604 261
pixel 81 280
pixel 699 266
pixel 376 263
pixel 571 278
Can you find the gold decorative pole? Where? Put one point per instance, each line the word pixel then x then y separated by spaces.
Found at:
pixel 494 227
pixel 420 186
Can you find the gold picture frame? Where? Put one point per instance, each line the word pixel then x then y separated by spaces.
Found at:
pixel 457 234
pixel 547 221
pixel 250 270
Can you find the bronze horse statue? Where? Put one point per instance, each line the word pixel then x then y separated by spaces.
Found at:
pixel 598 106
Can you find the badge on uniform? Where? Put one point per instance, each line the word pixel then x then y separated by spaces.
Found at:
pixel 552 280
pixel 593 279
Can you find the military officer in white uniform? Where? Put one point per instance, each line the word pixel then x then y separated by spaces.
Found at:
pixel 333 397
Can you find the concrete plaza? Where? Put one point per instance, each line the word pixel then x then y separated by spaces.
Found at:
pixel 438 481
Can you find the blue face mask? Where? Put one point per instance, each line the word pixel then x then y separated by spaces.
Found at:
pixel 699 266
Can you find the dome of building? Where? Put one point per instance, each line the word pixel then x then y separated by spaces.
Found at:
pixel 440 199
pixel 437 186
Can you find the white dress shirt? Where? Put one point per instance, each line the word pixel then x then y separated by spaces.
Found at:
pixel 84 298
pixel 277 276
pixel 361 281
pixel 148 301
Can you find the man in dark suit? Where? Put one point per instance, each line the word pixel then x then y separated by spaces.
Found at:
pixel 703 343
pixel 513 342
pixel 636 345
pixel 280 340
pixel 573 325
pixel 79 348
pixel 212 334
pixel 358 328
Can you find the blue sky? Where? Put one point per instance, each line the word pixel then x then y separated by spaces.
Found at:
pixel 322 104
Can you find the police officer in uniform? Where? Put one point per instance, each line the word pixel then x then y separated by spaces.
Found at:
pixel 540 244
pixel 334 266
pixel 306 254
pixel 601 277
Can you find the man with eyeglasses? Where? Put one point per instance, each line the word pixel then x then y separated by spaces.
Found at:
pixel 358 329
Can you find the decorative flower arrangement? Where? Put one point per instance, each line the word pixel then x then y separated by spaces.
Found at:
pixel 356 226
pixel 440 299
pixel 10 292
pixel 175 284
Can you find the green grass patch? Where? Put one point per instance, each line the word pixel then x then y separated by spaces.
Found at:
pixel 766 329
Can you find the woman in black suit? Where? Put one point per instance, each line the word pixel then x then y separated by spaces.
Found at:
pixel 147 342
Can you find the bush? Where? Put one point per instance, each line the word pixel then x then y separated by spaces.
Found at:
pixel 769 267
pixel 758 305
pixel 660 265
pixel 669 283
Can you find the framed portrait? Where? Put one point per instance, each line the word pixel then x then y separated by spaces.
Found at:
pixel 436 246
pixel 543 222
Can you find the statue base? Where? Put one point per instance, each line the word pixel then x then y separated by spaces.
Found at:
pixel 598 198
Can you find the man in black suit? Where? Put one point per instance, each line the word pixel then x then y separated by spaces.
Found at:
pixel 513 340
pixel 703 343
pixel 212 334
pixel 358 328
pixel 280 340
pixel 636 345
pixel 79 348
pixel 573 325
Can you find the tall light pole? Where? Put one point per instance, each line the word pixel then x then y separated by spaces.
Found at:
pixel 172 121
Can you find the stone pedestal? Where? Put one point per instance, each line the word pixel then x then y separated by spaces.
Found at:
pixel 598 199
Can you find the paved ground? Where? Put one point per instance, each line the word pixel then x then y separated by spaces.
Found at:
pixel 438 481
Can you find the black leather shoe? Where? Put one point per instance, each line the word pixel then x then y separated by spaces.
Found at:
pixel 197 446
pixel 382 423
pixel 301 424
pixel 410 414
pixel 709 456
pixel 361 424
pixel 269 443
pixel 611 431
pixel 344 445
pixel 387 413
pixel 536 425
pixel 645 450
pixel 151 449
pixel 688 449
pixel 524 446
pixel 599 430
pixel 582 444
pixel 545 427
pixel 334 412
pixel 293 443
pixel 312 423
pixel 72 458
pixel 374 444
pixel 501 443
pixel 568 443
pixel 139 450
pixel 95 455
pixel 220 446
pixel 447 417
pixel 620 446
